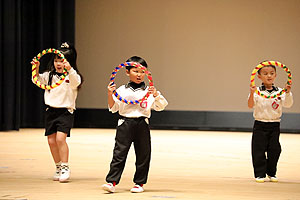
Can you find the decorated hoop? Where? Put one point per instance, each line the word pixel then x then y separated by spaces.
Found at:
pixel 134 64
pixel 273 63
pixel 34 75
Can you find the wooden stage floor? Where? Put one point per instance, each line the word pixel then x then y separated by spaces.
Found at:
pixel 185 165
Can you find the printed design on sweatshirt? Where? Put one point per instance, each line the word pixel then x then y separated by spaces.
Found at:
pixel 144 104
pixel 275 104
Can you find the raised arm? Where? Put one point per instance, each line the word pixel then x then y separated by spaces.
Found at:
pixel 160 102
pixel 110 88
pixel 74 77
pixel 288 100
pixel 251 96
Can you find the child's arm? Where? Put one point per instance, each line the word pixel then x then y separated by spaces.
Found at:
pixel 110 88
pixel 251 96
pixel 160 102
pixel 288 100
pixel 37 63
pixel 74 77
pixel 41 77
pixel 152 90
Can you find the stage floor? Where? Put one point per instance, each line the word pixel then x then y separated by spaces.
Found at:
pixel 184 165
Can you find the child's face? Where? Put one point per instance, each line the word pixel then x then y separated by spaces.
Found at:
pixel 267 75
pixel 136 75
pixel 58 64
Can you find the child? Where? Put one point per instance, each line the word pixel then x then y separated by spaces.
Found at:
pixel 133 126
pixel 60 102
pixel 266 148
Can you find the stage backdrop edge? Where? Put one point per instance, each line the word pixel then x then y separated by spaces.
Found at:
pixel 186 120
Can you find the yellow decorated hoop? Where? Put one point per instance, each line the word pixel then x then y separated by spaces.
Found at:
pixel 273 63
pixel 34 75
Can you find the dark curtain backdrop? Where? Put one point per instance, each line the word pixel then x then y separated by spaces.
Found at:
pixel 28 27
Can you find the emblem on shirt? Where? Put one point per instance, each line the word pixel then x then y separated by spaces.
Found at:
pixel 143 104
pixel 275 105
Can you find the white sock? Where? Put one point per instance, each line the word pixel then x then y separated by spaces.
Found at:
pixel 58 167
pixel 65 164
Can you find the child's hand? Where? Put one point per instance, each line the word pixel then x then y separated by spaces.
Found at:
pixel 152 90
pixel 110 88
pixel 288 88
pixel 67 65
pixel 252 89
pixel 35 62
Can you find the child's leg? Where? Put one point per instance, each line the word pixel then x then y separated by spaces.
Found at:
pixel 123 142
pixel 64 155
pixel 142 146
pixel 274 150
pixel 55 154
pixel 259 146
pixel 62 146
pixel 54 148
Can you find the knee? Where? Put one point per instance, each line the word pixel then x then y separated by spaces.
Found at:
pixel 52 142
pixel 60 141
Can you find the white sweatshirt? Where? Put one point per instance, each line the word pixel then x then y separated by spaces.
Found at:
pixel 139 110
pixel 64 95
pixel 270 110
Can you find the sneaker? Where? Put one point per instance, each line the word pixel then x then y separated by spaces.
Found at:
pixel 273 178
pixel 109 187
pixel 137 188
pixel 260 179
pixel 57 173
pixel 64 174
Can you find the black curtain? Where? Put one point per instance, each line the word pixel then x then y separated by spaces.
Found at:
pixel 28 27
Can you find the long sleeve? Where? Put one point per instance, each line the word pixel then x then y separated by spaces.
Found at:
pixel 288 100
pixel 115 107
pixel 159 103
pixel 74 78
pixel 43 78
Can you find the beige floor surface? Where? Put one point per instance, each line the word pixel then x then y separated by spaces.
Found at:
pixel 185 165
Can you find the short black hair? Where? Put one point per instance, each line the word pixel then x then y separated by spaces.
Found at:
pixel 70 54
pixel 136 59
pixel 266 66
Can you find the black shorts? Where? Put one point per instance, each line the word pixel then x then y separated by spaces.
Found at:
pixel 58 119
